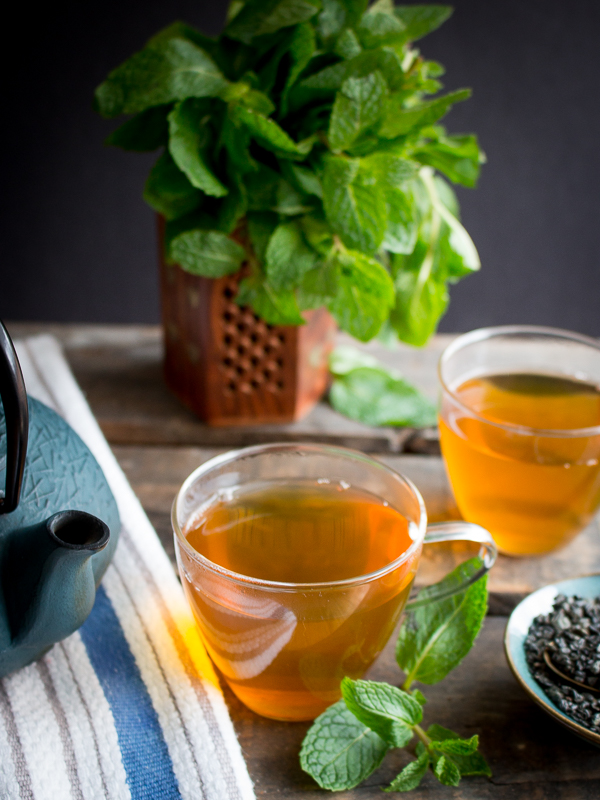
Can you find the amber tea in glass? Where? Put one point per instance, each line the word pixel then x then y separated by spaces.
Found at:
pixel 297 561
pixel 520 433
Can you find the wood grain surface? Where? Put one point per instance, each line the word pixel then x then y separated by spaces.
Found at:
pixel 119 369
pixel 158 443
pixel 531 756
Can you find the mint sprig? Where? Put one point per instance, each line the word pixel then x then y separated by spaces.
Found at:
pixel 349 740
pixel 321 114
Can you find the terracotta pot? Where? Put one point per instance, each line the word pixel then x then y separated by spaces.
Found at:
pixel 226 364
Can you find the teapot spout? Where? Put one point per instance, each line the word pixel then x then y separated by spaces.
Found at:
pixel 48 580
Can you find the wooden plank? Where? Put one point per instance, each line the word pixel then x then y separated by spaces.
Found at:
pixel 119 368
pixel 157 472
pixel 531 756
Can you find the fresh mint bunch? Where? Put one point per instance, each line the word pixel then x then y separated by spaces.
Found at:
pixel 350 740
pixel 303 142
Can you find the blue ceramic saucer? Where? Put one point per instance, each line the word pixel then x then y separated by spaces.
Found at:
pixel 540 602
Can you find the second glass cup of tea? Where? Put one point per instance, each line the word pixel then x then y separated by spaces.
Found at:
pixel 297 561
pixel 520 433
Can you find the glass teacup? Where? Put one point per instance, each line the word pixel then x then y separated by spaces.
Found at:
pixel 284 646
pixel 520 433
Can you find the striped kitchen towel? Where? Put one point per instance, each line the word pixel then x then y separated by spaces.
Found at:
pixel 129 706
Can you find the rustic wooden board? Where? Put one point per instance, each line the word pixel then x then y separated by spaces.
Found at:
pixel 157 472
pixel 119 368
pixel 531 756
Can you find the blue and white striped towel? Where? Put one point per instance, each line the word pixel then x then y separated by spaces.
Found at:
pixel 129 706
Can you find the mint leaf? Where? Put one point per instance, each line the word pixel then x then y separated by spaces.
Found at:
pixel 364 294
pixel 288 201
pixel 458 157
pixel 236 139
pixel 375 396
pixel 147 131
pixel 421 297
pixel 339 751
pixel 420 20
pixel 378 28
pixel 262 186
pixel 188 140
pixel 446 771
pixel 458 254
pixel 268 191
pixel 354 204
pixel 390 169
pixel 419 696
pixel 303 177
pixel 162 72
pixel 168 190
pixel 260 17
pixel 258 101
pixel 399 121
pixel 318 286
pixel 234 205
pixel 446 195
pixel 300 51
pixel 261 225
pixel 181 30
pixel 358 106
pixel 402 222
pixel 347 45
pixel 330 22
pixel 436 637
pixel 266 131
pixel 457 747
pixel 208 253
pixel 288 257
pixel 473 764
pixel 331 78
pixel 385 709
pixel 275 308
pixel 318 234
pixel 195 220
pixel 345 358
pixel 337 15
pixel 411 776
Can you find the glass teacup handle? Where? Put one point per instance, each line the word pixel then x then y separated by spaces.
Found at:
pixel 459 532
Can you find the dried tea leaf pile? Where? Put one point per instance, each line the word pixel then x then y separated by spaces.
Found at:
pixel 571 634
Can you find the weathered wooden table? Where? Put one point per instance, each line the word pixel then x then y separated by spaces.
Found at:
pixel 158 443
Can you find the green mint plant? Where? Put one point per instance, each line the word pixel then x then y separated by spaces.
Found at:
pixel 350 739
pixel 303 141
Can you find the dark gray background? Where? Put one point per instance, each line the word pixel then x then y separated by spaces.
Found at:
pixel 78 242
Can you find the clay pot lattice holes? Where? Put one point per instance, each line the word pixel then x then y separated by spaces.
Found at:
pixel 252 350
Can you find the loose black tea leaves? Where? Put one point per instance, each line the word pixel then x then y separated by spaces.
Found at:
pixel 570 634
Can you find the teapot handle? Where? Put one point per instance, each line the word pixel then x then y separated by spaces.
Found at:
pixel 16 414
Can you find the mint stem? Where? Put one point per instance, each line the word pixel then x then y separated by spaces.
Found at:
pixel 422 735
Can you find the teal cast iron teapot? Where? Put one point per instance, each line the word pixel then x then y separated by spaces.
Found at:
pixel 59 522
